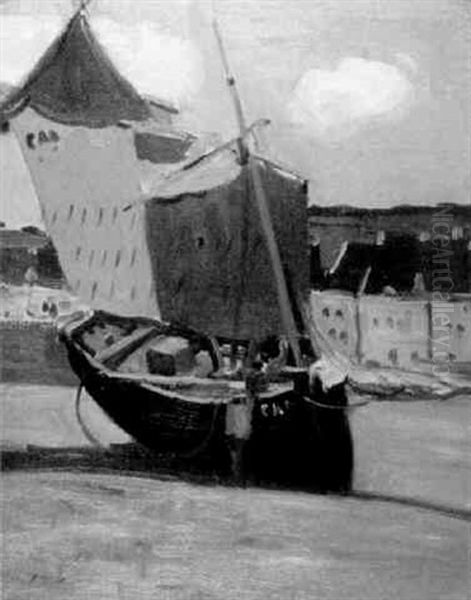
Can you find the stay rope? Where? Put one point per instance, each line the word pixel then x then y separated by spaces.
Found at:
pixel 331 407
pixel 94 441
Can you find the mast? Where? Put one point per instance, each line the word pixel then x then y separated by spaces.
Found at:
pixel 83 5
pixel 284 303
pixel 231 82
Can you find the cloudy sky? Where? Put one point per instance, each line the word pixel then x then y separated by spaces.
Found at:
pixel 369 99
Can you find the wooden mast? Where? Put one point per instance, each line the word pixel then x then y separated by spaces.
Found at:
pixel 230 80
pixel 284 303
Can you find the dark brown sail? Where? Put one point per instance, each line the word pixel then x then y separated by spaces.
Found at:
pixel 210 259
pixel 75 83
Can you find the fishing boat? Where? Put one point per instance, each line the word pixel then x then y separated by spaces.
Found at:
pixel 161 383
pixel 208 248
pixel 177 403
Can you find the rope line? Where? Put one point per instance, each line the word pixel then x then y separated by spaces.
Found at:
pixel 85 430
pixel 330 407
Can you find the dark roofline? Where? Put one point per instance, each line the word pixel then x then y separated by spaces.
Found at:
pixel 14 238
pixel 345 210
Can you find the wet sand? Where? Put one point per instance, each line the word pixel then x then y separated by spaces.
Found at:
pixel 94 536
pixel 84 535
pixel 419 450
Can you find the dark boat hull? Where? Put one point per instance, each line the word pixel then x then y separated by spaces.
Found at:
pixel 153 417
pixel 292 440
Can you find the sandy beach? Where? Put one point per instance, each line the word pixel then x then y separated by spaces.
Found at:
pixel 81 535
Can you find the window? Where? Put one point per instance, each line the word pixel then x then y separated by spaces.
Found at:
pixel 392 356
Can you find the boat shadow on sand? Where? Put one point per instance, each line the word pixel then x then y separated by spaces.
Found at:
pixel 133 460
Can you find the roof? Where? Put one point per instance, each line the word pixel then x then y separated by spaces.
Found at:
pixel 396 262
pixel 405 210
pixel 77 84
pixel 14 238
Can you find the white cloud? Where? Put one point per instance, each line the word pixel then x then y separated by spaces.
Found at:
pixel 339 101
pixel 155 62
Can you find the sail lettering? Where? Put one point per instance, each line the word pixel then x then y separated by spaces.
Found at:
pixel 43 137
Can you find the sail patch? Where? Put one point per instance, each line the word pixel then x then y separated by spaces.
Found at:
pixel 160 149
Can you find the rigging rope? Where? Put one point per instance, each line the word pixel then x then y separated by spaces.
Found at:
pixel 331 407
pixel 85 430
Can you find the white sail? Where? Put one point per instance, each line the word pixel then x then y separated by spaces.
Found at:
pixel 83 177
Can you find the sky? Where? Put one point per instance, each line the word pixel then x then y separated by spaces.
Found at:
pixel 368 99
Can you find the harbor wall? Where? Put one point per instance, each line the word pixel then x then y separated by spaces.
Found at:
pixel 31 353
pixel 29 349
pixel 392 332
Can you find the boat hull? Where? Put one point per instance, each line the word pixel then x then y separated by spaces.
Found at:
pixel 153 417
pixel 292 441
